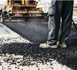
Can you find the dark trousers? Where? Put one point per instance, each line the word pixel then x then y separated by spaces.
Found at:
pixel 60 9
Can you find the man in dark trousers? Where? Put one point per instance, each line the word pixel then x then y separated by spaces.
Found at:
pixel 60 9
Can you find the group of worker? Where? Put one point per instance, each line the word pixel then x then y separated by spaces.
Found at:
pixel 59 9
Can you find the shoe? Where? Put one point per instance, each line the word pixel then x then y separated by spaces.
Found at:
pixel 58 44
pixel 63 45
pixel 45 45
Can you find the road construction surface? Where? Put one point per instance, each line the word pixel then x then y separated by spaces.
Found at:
pixel 36 32
pixel 28 55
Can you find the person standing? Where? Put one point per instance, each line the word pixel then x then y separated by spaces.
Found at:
pixel 27 2
pixel 59 9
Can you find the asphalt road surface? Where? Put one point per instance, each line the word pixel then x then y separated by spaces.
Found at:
pixel 36 32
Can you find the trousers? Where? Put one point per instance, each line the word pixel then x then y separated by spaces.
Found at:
pixel 60 10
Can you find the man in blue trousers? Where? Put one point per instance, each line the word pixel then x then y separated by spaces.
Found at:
pixel 60 9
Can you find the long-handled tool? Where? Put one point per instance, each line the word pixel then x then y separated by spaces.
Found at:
pixel 74 24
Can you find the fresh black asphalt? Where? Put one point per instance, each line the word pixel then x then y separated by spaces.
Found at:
pixel 37 32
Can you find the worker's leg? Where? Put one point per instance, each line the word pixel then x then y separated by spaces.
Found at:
pixel 54 23
pixel 66 21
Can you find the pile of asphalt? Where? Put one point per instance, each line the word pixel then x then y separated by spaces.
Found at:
pixel 37 33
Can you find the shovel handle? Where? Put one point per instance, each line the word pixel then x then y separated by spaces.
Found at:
pixel 74 24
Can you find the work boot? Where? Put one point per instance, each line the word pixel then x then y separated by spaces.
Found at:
pixel 45 45
pixel 58 44
pixel 63 45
